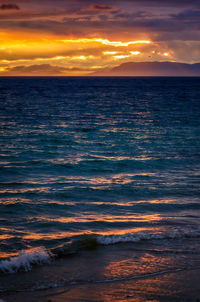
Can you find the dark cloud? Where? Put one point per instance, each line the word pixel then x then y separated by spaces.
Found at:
pixel 9 6
pixel 157 3
pixel 187 15
pixel 14 1
pixel 101 7
pixel 172 3
pixel 117 24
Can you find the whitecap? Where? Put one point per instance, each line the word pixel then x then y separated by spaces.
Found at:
pixel 25 260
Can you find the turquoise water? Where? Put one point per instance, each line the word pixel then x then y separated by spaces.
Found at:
pixel 96 161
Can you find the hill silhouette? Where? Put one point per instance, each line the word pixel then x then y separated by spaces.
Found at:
pixel 151 69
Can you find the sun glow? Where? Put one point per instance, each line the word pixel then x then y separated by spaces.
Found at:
pixel 110 52
pixel 79 58
pixel 121 57
pixel 135 52
pixel 50 55
pixel 59 58
pixel 106 42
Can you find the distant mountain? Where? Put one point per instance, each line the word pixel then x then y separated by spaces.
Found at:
pixel 152 69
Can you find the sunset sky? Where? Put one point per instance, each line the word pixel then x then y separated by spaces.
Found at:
pixel 77 37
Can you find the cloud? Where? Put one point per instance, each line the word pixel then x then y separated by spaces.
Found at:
pixel 116 25
pixel 148 3
pixel 91 12
pixel 101 7
pixel 9 6
pixel 187 15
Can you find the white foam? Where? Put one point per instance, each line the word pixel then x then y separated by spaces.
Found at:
pixel 147 235
pixel 25 260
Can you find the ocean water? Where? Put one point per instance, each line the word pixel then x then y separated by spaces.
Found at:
pixel 101 170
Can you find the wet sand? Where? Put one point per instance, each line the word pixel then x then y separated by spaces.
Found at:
pixel 181 285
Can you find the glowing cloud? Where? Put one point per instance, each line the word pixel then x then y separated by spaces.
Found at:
pixel 121 57
pixel 107 42
pixel 110 52
pixel 135 52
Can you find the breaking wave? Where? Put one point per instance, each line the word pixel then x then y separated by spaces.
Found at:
pixel 38 256
pixel 147 235
pixel 25 260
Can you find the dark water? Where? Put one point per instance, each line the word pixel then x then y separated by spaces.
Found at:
pixel 97 161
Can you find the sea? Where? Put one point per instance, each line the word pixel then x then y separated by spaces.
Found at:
pixel 99 179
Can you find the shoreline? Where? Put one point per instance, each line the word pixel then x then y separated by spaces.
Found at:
pixel 179 285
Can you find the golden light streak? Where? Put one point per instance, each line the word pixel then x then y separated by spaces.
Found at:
pixel 110 52
pixel 106 42
pixel 121 57
pixel 135 52
pixel 59 58
pixel 96 67
pixel 41 59
pixel 81 57
pixel 165 54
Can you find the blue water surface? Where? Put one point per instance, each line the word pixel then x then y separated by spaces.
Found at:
pixel 83 155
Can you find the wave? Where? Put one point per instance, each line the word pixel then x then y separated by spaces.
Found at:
pixel 146 235
pixel 25 260
pixel 38 256
pixel 139 207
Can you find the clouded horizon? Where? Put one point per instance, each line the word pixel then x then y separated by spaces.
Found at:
pixel 75 37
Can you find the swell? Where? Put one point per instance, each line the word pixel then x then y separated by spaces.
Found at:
pixel 133 207
pixel 93 164
pixel 27 259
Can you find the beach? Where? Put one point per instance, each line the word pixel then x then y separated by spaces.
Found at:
pixel 181 285
pixel 154 271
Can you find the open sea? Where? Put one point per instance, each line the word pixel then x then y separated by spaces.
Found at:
pixel 99 179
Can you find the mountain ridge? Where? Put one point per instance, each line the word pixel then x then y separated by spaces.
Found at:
pixel 151 69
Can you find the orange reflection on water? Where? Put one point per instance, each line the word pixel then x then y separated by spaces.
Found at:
pixel 124 231
pixel 26 190
pixel 153 289
pixel 14 200
pixel 133 280
pixel 94 217
pixel 97 182
pixel 7 255
pixel 6 236
pixel 52 236
pixel 138 264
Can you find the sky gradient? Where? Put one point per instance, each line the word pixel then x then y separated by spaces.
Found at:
pixel 77 37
